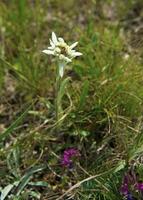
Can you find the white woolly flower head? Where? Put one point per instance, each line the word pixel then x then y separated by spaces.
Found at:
pixel 60 49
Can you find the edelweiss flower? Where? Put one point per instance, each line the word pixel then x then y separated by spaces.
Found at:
pixel 60 49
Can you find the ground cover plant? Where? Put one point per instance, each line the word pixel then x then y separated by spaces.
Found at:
pixel 71 120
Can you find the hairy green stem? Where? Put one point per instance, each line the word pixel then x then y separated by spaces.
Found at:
pixel 57 86
pixel 57 95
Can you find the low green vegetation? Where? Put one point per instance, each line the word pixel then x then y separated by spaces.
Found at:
pixel 99 133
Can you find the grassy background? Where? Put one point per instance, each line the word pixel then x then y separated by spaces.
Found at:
pixel 103 100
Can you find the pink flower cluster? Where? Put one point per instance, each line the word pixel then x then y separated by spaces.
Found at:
pixel 68 155
pixel 130 181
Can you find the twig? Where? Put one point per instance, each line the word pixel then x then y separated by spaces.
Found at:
pixel 80 183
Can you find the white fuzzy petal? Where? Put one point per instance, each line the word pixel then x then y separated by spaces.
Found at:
pixel 48 52
pixel 67 59
pixel 73 45
pixel 54 38
pixel 64 58
pixel 51 43
pixel 61 39
pixel 77 54
pixel 51 48
pixel 61 69
pixel 73 51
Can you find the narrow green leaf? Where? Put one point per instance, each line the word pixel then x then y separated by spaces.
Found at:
pixel 62 88
pixel 6 191
pixel 121 165
pixel 61 93
pixel 9 130
pixel 39 183
pixel 26 178
pixel 34 194
pixel 84 94
pixel 17 73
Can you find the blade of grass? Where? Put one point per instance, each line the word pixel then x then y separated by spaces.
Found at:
pixel 18 74
pixel 9 130
pixel 6 191
pixel 26 178
pixel 84 94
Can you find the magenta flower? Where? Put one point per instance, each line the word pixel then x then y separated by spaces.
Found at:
pixel 68 155
pixel 125 187
pixel 130 182
pixel 139 187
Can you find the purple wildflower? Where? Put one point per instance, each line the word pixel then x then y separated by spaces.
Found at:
pixel 130 182
pixel 68 155
pixel 129 196
pixel 139 187
pixel 125 188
